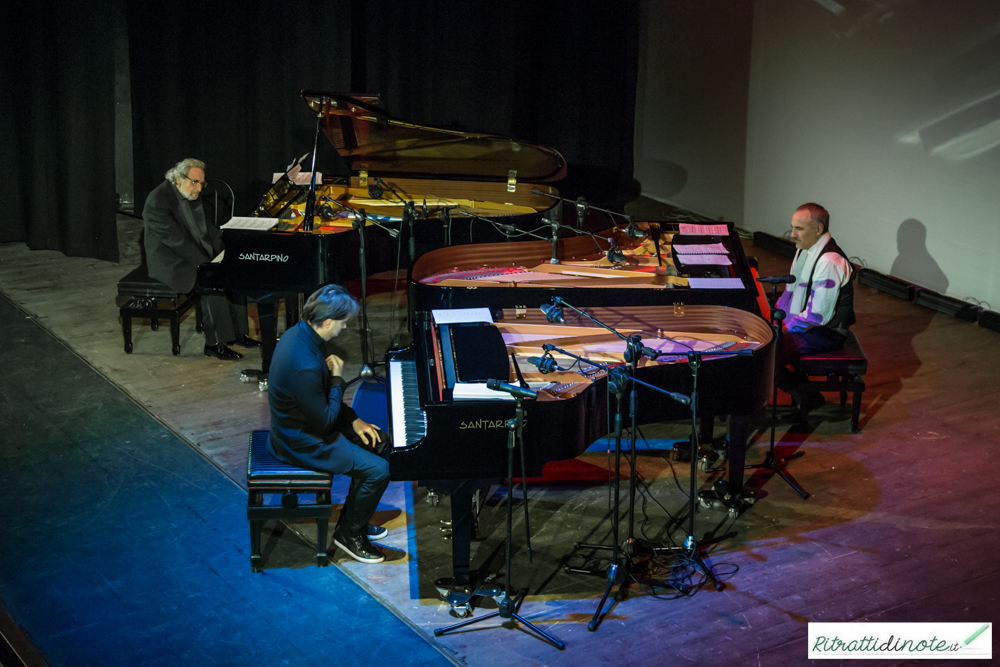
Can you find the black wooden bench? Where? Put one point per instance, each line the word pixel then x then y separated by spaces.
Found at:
pixel 267 475
pixel 842 371
pixel 150 299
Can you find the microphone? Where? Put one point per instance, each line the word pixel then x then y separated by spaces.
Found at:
pixel 680 398
pixel 553 313
pixel 777 280
pixel 375 191
pixel 497 385
pixel 545 364
pixel 615 254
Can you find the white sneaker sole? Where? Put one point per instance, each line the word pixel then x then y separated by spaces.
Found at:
pixel 375 538
pixel 360 559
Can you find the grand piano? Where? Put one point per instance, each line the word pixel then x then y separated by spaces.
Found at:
pixel 645 286
pixel 457 185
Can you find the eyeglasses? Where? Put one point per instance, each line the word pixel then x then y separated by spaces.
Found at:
pixel 198 183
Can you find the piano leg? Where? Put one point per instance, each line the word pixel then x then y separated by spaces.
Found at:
pixel 268 331
pixel 739 432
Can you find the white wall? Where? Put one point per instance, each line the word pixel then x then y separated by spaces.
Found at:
pixel 691 106
pixel 888 114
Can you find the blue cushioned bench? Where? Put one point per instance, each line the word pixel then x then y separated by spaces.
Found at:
pixel 267 475
pixel 843 371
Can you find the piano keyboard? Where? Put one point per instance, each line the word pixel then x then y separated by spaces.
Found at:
pixel 408 421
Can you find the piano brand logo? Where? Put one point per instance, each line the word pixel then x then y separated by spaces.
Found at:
pixel 483 424
pixel 258 257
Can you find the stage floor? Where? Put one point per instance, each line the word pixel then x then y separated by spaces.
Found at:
pixel 897 529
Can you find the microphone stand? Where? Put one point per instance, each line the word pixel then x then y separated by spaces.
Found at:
pixel 307 224
pixel 509 606
pixel 634 351
pixel 554 226
pixel 409 215
pixel 582 207
pixel 367 372
pixel 772 462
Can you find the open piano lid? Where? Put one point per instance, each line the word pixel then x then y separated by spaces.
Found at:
pixel 370 140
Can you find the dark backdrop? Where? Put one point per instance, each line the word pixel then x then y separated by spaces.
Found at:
pixel 57 135
pixel 220 81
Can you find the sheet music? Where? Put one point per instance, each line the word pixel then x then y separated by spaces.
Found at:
pixel 462 315
pixel 258 224
pixel 704 260
pixel 701 249
pixel 715 283
pixel 478 391
pixel 295 175
pixel 704 230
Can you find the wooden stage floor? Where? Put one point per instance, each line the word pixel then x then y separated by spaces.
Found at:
pixel 898 528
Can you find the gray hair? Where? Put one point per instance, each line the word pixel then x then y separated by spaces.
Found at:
pixel 183 167
pixel 332 302
pixel 817 214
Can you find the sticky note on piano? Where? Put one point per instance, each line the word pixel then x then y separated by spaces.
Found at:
pixel 478 391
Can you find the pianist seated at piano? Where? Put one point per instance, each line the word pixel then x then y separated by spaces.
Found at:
pixel 819 305
pixel 312 428
pixel 180 235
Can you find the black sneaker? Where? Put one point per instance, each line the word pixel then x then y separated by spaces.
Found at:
pixel 359 548
pixel 375 532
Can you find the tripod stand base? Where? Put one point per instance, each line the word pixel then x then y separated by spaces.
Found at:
pixel 508 610
pixel 776 466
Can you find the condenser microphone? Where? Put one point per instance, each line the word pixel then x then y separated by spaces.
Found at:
pixel 545 364
pixel 553 313
pixel 497 385
pixel 777 280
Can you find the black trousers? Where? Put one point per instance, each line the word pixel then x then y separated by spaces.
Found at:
pixel 369 479
pixel 223 319
pixel 796 345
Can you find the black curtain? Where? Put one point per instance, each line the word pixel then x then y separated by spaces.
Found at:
pixel 57 113
pixel 561 74
pixel 220 82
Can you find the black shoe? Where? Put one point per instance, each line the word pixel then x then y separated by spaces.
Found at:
pixel 359 548
pixel 244 340
pixel 220 351
pixel 375 532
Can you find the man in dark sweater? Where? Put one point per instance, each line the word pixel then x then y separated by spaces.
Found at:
pixel 178 237
pixel 312 428
pixel 819 306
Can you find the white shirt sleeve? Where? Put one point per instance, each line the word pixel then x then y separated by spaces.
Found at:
pixel 832 272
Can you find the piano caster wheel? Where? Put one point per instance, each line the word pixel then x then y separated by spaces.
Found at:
pixel 254 375
pixel 461 611
pixel 433 498
pixel 707 504
pixel 703 464
pixel 128 348
pixel 154 324
pixel 177 350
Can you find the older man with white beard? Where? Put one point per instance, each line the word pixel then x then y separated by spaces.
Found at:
pixel 178 238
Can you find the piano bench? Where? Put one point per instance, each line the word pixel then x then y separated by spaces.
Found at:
pixel 843 371
pixel 267 475
pixel 150 299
